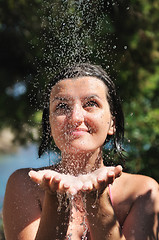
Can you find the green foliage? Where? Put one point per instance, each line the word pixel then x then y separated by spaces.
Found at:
pixel 38 38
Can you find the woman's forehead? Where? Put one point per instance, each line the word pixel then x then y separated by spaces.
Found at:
pixel 80 85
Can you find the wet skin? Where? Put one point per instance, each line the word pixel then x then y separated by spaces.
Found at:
pixel 80 121
pixel 80 117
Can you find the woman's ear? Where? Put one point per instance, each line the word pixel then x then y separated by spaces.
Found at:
pixel 112 128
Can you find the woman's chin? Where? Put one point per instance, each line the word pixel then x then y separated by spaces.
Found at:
pixel 77 149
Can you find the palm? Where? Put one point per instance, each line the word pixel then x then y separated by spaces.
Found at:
pixel 53 181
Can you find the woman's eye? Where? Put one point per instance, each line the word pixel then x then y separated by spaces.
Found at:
pixel 62 106
pixel 91 104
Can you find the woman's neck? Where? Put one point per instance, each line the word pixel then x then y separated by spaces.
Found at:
pixel 81 163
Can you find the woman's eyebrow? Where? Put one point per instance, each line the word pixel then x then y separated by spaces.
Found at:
pixel 92 96
pixel 68 98
pixel 60 98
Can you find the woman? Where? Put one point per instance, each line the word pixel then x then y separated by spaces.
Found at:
pixel 75 199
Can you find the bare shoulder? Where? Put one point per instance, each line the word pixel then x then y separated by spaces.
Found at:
pixel 20 184
pixel 141 195
pixel 140 184
pixel 19 174
pixel 22 189
pixel 21 202
pixel 134 185
pixel 20 181
pixel 131 188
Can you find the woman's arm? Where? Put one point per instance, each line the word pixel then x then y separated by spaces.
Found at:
pixel 142 222
pixel 103 223
pixel 22 216
pixel 21 210
pixel 54 223
pixel 86 183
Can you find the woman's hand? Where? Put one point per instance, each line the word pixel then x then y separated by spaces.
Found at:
pixel 100 178
pixel 53 181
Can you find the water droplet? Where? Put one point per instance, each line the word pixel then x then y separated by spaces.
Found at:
pixel 60 198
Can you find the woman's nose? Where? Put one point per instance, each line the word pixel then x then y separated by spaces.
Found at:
pixel 77 114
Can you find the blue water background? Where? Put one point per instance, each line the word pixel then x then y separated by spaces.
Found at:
pixel 24 157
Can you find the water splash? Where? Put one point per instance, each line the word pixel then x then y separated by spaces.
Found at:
pixel 60 199
pixel 84 223
pixel 95 202
pixel 75 31
pixel 72 31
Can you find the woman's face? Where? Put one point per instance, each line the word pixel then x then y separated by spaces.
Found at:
pixel 80 117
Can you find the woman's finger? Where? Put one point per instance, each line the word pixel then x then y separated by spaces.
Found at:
pixel 55 182
pixel 35 176
pixel 118 171
pixel 110 177
pixel 87 186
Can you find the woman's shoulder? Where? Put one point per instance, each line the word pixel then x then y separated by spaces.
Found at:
pixel 19 183
pixel 135 185
pixel 22 202
pixel 131 188
pixel 22 175
pixel 138 184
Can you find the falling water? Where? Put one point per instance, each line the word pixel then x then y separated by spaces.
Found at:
pixel 75 31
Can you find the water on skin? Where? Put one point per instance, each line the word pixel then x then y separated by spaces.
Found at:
pixel 69 206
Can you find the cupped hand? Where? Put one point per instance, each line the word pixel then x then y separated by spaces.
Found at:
pixel 100 178
pixel 53 181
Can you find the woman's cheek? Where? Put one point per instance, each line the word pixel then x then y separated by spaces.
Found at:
pixel 98 120
pixel 57 121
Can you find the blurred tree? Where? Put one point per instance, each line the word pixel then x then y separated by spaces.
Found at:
pixel 38 38
pixel 139 73
pixel 19 26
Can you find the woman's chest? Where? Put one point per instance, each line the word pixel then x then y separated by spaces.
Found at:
pixel 78 228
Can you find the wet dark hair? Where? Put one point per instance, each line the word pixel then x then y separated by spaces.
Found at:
pixel 81 70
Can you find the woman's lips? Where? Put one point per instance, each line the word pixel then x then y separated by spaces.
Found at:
pixel 78 131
